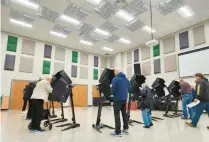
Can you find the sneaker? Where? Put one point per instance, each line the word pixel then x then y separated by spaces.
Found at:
pixel 146 126
pixel 151 124
pixel 208 127
pixel 41 130
pixel 190 124
pixel 184 118
pixel 115 134
pixel 23 112
pixel 126 132
pixel 33 131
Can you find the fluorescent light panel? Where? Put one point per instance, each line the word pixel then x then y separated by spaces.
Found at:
pixel 107 49
pixel 21 23
pixel 185 11
pixel 86 42
pixel 26 3
pixel 69 19
pixel 58 34
pixel 124 41
pixel 148 29
pixel 95 2
pixel 124 15
pixel 102 32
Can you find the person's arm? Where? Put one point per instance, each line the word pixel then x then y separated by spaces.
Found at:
pixel 48 87
pixel 114 86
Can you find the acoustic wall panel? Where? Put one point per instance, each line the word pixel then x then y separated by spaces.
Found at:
pixel 129 57
pixel 58 67
pixel 145 52
pixel 12 43
pixel 95 75
pixel 157 66
pixel 60 53
pixel 9 63
pixel 47 51
pixel 46 67
pixel 74 57
pixel 96 61
pixel 184 40
pixel 170 63
pixel 26 65
pixel 28 47
pixel 169 45
pixel 199 35
pixel 136 55
pixel 112 61
pixel 146 68
pixel 156 50
pixel 84 58
pixel 83 72
pixel 103 62
pixel 129 71
pixel 74 71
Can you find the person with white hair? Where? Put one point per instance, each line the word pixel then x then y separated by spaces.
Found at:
pixel 40 94
pixel 146 105
pixel 120 88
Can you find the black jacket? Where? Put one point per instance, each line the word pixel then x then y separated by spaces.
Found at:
pixel 202 90
pixel 147 98
pixel 28 91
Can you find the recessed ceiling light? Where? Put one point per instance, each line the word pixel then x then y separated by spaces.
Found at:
pixel 107 49
pixel 58 34
pixel 21 23
pixel 185 11
pixel 148 29
pixel 26 3
pixel 95 2
pixel 69 19
pixel 102 32
pixel 124 41
pixel 124 15
pixel 86 42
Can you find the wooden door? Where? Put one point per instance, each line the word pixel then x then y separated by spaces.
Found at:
pixel 80 95
pixel 95 92
pixel 16 98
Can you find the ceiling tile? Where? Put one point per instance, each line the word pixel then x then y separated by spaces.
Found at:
pixel 62 29
pixel 108 26
pixel 18 15
pixel 112 38
pixel 137 7
pixel 134 25
pixel 47 14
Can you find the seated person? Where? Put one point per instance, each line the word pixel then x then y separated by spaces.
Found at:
pixel 146 105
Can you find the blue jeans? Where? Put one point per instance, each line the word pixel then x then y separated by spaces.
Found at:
pixel 199 110
pixel 187 99
pixel 146 115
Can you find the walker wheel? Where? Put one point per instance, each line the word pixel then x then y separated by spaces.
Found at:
pixel 46 123
pixel 50 126
pixel 29 126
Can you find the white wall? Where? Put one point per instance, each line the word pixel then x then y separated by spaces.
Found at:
pixel 170 75
pixel 7 76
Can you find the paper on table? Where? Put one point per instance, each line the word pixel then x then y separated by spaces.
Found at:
pixel 193 104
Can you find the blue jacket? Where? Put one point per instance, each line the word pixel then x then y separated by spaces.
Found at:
pixel 120 87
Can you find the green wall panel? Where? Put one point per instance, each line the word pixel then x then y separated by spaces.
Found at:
pixel 74 57
pixel 156 50
pixel 12 43
pixel 95 75
pixel 46 67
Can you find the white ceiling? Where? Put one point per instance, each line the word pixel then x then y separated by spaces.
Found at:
pixel 163 24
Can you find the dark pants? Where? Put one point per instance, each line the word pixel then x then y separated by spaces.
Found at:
pixel 24 105
pixel 120 106
pixel 29 114
pixel 37 113
pixel 199 110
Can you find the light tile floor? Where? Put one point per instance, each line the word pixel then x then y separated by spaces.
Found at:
pixel 14 129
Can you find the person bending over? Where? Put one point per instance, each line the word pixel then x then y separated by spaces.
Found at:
pixel 40 94
pixel 202 94
pixel 146 105
pixel 120 88
pixel 187 97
